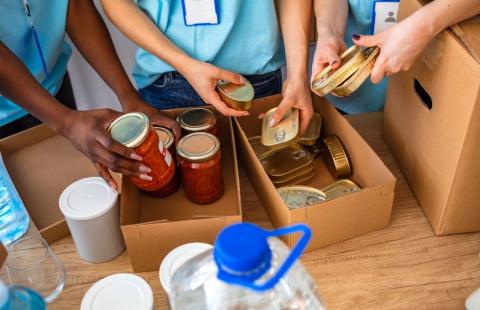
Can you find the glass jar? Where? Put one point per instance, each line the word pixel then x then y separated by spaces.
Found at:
pixel 167 138
pixel 198 119
pixel 199 160
pixel 133 130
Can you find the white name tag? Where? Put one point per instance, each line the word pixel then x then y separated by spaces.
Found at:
pixel 200 12
pixel 384 15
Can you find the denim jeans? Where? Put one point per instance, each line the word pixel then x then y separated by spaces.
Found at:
pixel 171 90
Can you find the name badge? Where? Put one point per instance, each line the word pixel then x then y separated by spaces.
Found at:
pixel 384 15
pixel 200 12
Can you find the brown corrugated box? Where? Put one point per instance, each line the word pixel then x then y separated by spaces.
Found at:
pixel 334 220
pixel 432 125
pixel 152 227
pixel 41 164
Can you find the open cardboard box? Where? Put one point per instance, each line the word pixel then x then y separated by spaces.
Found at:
pixel 432 126
pixel 333 220
pixel 41 164
pixel 152 227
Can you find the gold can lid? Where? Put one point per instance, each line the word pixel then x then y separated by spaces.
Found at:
pixel 198 146
pixel 301 196
pixel 197 119
pixel 336 158
pixel 286 160
pixel 302 179
pixel 130 129
pixel 292 175
pixel 313 131
pixel 165 136
pixel 237 96
pixel 329 78
pixel 340 188
pixel 285 131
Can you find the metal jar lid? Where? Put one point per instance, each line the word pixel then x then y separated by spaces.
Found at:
pixel 198 146
pixel 336 158
pixel 197 119
pixel 165 136
pixel 301 196
pixel 130 129
pixel 237 96
pixel 313 131
pixel 284 132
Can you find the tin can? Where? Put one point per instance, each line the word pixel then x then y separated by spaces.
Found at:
pixel 340 188
pixel 284 132
pixel 286 161
pixel 336 158
pixel 236 96
pixel 134 130
pixel 301 179
pixel 197 120
pixel 259 149
pixel 301 196
pixel 292 175
pixel 313 131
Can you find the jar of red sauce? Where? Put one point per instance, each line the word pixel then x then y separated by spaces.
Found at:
pixel 198 119
pixel 167 140
pixel 133 130
pixel 199 160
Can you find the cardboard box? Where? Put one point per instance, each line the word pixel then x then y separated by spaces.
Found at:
pixel 333 220
pixel 152 227
pixel 41 164
pixel 432 125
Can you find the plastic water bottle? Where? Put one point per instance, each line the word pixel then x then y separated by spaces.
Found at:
pixel 14 218
pixel 20 298
pixel 248 268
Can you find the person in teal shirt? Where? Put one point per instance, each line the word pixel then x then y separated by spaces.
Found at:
pixel 178 65
pixel 342 23
pixel 33 66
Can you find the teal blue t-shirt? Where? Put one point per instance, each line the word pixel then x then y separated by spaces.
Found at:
pixel 49 18
pixel 246 41
pixel 369 97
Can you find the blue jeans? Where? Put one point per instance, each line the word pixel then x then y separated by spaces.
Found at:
pixel 171 90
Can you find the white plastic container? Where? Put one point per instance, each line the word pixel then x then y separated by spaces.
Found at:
pixel 92 213
pixel 119 291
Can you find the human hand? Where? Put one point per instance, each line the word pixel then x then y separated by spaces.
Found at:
pixel 399 47
pixel 327 51
pixel 204 77
pixel 296 94
pixel 88 132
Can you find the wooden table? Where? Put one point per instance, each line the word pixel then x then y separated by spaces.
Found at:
pixel 404 266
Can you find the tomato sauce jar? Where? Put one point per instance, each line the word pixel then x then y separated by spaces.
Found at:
pixel 133 130
pixel 199 160
pixel 198 119
pixel 167 138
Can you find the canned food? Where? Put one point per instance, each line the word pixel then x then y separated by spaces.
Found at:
pixel 304 179
pixel 259 149
pixel 167 138
pixel 287 160
pixel 292 175
pixel 134 130
pixel 236 96
pixel 284 132
pixel 335 157
pixel 313 131
pixel 198 119
pixel 301 196
pixel 199 159
pixel 340 188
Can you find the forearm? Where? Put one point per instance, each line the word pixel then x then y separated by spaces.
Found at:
pixel 331 17
pixel 295 24
pixel 441 14
pixel 18 85
pixel 136 25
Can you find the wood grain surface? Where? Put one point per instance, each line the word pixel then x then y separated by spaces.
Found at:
pixel 404 266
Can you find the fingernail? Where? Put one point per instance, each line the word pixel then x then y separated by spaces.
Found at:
pixel 144 168
pixel 243 79
pixel 334 63
pixel 245 114
pixel 355 36
pixel 273 122
pixel 145 177
pixel 113 186
pixel 135 156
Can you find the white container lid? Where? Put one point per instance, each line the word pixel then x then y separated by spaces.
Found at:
pixel 178 257
pixel 87 198
pixel 119 291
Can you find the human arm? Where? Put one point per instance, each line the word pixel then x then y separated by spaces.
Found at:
pixel 203 77
pixel 403 43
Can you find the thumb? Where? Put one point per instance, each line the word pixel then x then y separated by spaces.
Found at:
pixel 365 40
pixel 280 112
pixel 232 77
